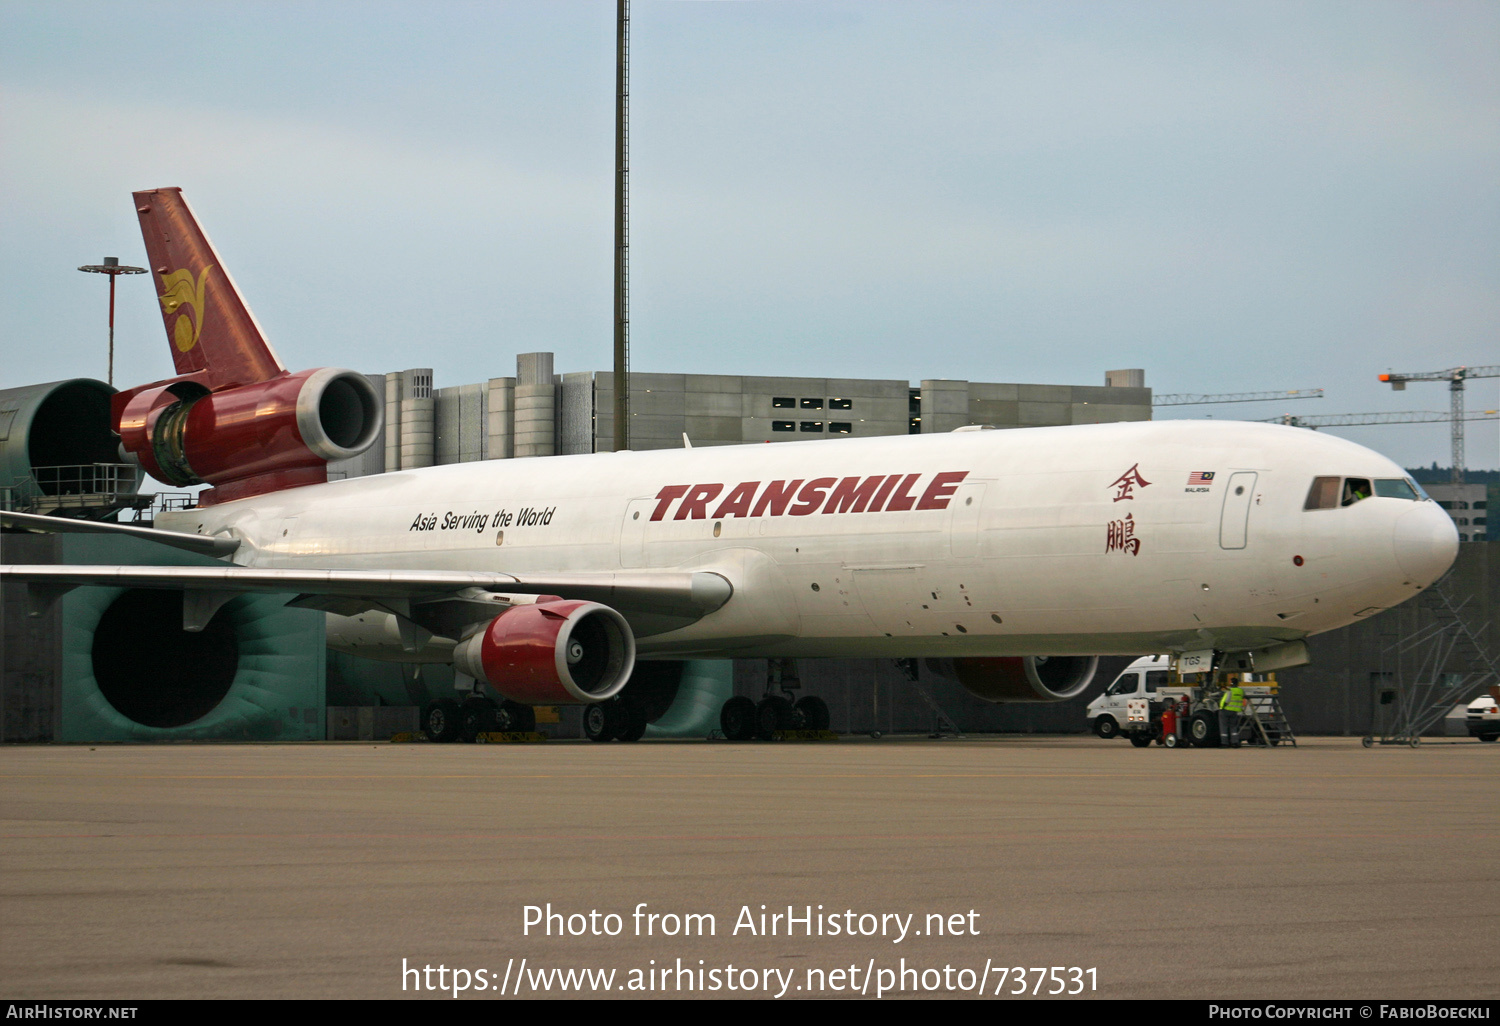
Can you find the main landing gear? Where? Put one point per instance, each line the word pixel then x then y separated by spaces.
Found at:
pixel 622 718
pixel 742 719
pixel 446 720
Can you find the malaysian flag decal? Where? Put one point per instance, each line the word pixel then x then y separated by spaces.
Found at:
pixel 1199 477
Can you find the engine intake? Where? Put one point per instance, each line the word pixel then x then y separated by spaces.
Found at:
pixel 254 438
pixel 1020 678
pixel 556 652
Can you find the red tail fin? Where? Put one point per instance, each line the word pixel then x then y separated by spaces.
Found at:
pixel 213 334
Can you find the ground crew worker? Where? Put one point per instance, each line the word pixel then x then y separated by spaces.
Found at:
pixel 1231 705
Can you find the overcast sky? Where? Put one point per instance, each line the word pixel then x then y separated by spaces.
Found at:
pixel 1234 196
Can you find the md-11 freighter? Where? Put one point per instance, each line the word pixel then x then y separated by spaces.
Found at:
pixel 1009 560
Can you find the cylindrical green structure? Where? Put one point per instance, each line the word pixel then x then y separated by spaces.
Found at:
pixel 57 452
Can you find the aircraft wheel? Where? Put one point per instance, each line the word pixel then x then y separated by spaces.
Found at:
pixel 634 713
pixel 440 720
pixel 772 714
pixel 814 712
pixel 1203 728
pixel 1106 726
pixel 515 717
pixel 1141 740
pixel 603 721
pixel 476 717
pixel 737 719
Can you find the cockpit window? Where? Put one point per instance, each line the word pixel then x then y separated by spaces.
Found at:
pixel 1355 489
pixel 1324 493
pixel 1421 492
pixel 1396 488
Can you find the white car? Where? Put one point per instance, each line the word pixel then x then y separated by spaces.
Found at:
pixel 1138 680
pixel 1483 718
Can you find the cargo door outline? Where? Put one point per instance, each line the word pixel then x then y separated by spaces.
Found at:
pixel 633 532
pixel 967 504
pixel 1234 520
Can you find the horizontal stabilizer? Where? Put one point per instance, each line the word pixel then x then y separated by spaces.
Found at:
pixel 63 525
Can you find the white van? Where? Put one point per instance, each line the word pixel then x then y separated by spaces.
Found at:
pixel 1139 680
pixel 1483 718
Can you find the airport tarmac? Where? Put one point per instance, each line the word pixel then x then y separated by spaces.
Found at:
pixel 261 871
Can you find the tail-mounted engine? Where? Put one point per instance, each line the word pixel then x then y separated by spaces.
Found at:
pixel 1020 678
pixel 554 652
pixel 252 438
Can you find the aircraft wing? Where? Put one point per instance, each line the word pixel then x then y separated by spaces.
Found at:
pixel 675 595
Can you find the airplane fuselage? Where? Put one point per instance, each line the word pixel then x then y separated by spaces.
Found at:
pixel 1101 539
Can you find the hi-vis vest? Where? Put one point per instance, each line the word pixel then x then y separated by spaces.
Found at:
pixel 1233 699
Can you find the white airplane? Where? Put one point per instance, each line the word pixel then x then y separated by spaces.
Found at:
pixel 1009 560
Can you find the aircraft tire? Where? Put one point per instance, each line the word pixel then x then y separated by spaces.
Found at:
pixel 772 714
pixel 513 716
pixel 603 721
pixel 1106 726
pixel 634 712
pixel 814 710
pixel 1203 728
pixel 476 717
pixel 737 719
pixel 440 720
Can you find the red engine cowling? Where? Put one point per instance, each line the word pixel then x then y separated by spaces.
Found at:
pixel 251 438
pixel 1020 678
pixel 555 652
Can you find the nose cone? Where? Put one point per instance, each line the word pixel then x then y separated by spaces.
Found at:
pixel 1426 543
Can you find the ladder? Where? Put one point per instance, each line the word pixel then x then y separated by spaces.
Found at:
pixel 1266 715
pixel 945 725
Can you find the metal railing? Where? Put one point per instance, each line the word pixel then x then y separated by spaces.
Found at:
pixel 86 486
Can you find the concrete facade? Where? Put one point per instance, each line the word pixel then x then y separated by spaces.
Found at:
pixel 1468 506
pixel 540 412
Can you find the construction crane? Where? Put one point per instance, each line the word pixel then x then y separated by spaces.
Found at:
pixel 1193 399
pixel 1455 376
pixel 1353 419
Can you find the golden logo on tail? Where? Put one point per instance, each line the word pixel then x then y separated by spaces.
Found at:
pixel 179 290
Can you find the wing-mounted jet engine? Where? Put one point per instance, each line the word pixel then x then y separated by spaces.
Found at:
pixel 1020 678
pixel 551 652
pixel 233 417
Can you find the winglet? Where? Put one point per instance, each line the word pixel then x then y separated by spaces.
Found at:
pixel 213 335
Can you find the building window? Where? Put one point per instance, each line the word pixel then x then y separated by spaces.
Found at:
pixel 783 425
pixel 841 404
pixel 783 402
pixel 812 404
pixel 812 425
pixel 840 427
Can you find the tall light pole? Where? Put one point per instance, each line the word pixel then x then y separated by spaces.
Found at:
pixel 114 269
pixel 622 227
